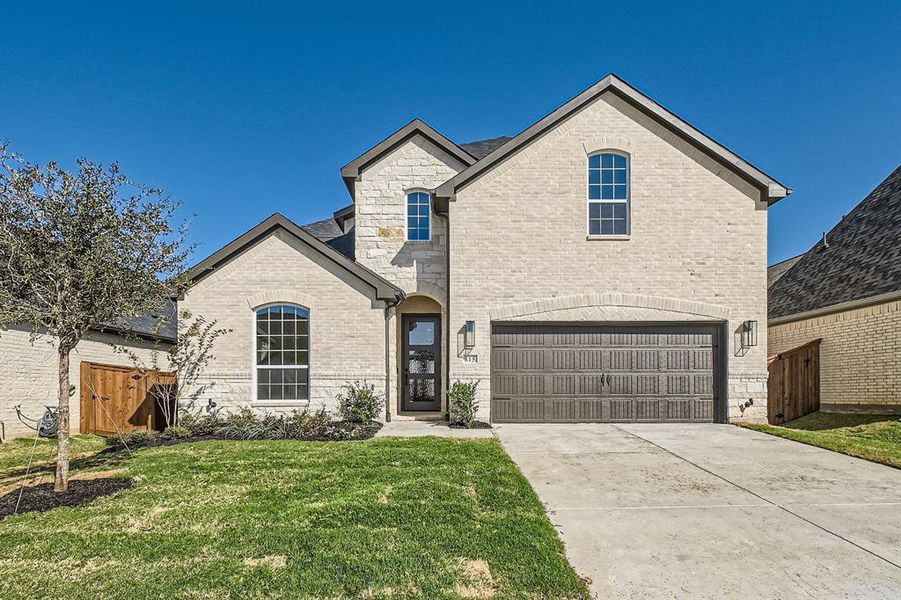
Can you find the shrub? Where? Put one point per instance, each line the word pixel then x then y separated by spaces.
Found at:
pixel 201 424
pixel 359 402
pixel 132 439
pixel 177 432
pixel 462 404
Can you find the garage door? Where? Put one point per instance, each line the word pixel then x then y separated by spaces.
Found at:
pixel 579 373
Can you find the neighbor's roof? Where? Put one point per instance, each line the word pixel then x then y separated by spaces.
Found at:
pixel 770 189
pixel 861 259
pixel 160 324
pixel 384 289
pixel 775 272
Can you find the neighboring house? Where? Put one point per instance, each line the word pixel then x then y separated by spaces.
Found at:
pixel 846 290
pixel 601 265
pixel 29 372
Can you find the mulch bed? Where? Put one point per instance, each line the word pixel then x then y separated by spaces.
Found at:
pixel 475 425
pixel 337 431
pixel 41 498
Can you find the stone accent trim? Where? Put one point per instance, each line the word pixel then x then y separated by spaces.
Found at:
pixel 687 309
pixel 275 296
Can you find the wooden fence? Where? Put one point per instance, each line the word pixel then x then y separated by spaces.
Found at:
pixel 121 399
pixel 793 389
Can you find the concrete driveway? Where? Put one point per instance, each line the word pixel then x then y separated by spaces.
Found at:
pixel 713 511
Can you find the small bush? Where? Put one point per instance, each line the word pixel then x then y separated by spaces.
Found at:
pixel 359 402
pixel 132 439
pixel 462 404
pixel 178 432
pixel 201 424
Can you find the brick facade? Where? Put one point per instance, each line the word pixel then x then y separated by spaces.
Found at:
pixel 860 355
pixel 347 326
pixel 698 235
pixel 28 373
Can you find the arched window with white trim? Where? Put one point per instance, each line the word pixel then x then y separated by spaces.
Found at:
pixel 282 352
pixel 608 194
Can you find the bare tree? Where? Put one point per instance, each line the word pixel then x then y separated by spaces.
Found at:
pixel 79 251
pixel 186 359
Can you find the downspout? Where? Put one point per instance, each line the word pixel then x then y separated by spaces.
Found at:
pixel 447 302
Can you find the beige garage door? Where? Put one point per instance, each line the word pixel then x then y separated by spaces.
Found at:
pixel 580 373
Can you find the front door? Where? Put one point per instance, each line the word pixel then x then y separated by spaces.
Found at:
pixel 421 363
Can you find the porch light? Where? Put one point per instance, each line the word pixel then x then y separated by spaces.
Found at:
pixel 748 334
pixel 469 335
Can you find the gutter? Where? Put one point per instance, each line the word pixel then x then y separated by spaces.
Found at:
pixel 834 308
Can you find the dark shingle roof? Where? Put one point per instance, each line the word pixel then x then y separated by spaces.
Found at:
pixel 862 258
pixel 775 272
pixel 329 232
pixel 158 324
pixel 482 148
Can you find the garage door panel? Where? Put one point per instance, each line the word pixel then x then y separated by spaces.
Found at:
pixel 620 373
pixel 530 360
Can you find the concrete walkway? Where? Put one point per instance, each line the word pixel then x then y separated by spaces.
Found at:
pixel 713 511
pixel 424 428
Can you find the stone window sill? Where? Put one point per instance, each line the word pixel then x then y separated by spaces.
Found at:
pixel 280 404
pixel 610 237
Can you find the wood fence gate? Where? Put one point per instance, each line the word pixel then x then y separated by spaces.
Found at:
pixel 122 399
pixel 793 389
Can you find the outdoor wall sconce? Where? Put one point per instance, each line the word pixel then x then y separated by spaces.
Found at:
pixel 748 334
pixel 469 335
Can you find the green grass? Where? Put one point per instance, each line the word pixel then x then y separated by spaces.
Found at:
pixel 398 518
pixel 872 437
pixel 14 453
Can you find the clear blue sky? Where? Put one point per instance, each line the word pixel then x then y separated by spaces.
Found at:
pixel 243 110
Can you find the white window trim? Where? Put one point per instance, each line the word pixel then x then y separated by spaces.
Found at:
pixel 407 215
pixel 628 200
pixel 254 400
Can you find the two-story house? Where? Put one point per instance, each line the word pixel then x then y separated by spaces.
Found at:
pixel 608 263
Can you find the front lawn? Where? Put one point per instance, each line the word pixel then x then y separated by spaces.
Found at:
pixel 14 453
pixel 398 518
pixel 872 437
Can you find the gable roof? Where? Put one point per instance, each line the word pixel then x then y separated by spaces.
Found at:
pixel 775 272
pixel 482 148
pixel 860 260
pixel 351 171
pixel 384 289
pixel 771 190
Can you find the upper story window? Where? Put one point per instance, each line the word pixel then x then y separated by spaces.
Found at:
pixel 282 352
pixel 608 194
pixel 419 217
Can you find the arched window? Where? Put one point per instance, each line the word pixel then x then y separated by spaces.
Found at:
pixel 419 217
pixel 608 194
pixel 282 352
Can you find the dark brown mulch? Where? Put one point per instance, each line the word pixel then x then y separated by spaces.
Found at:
pixel 336 431
pixel 475 425
pixel 41 498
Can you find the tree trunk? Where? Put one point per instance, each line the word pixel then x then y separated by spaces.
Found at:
pixel 62 457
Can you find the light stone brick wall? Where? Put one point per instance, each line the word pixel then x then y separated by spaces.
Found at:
pixel 381 217
pixel 28 373
pixel 860 355
pixel 380 230
pixel 347 325
pixel 518 235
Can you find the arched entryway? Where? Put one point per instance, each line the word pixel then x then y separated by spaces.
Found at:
pixel 419 355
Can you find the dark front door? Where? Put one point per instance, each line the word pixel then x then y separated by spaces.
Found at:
pixel 421 363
